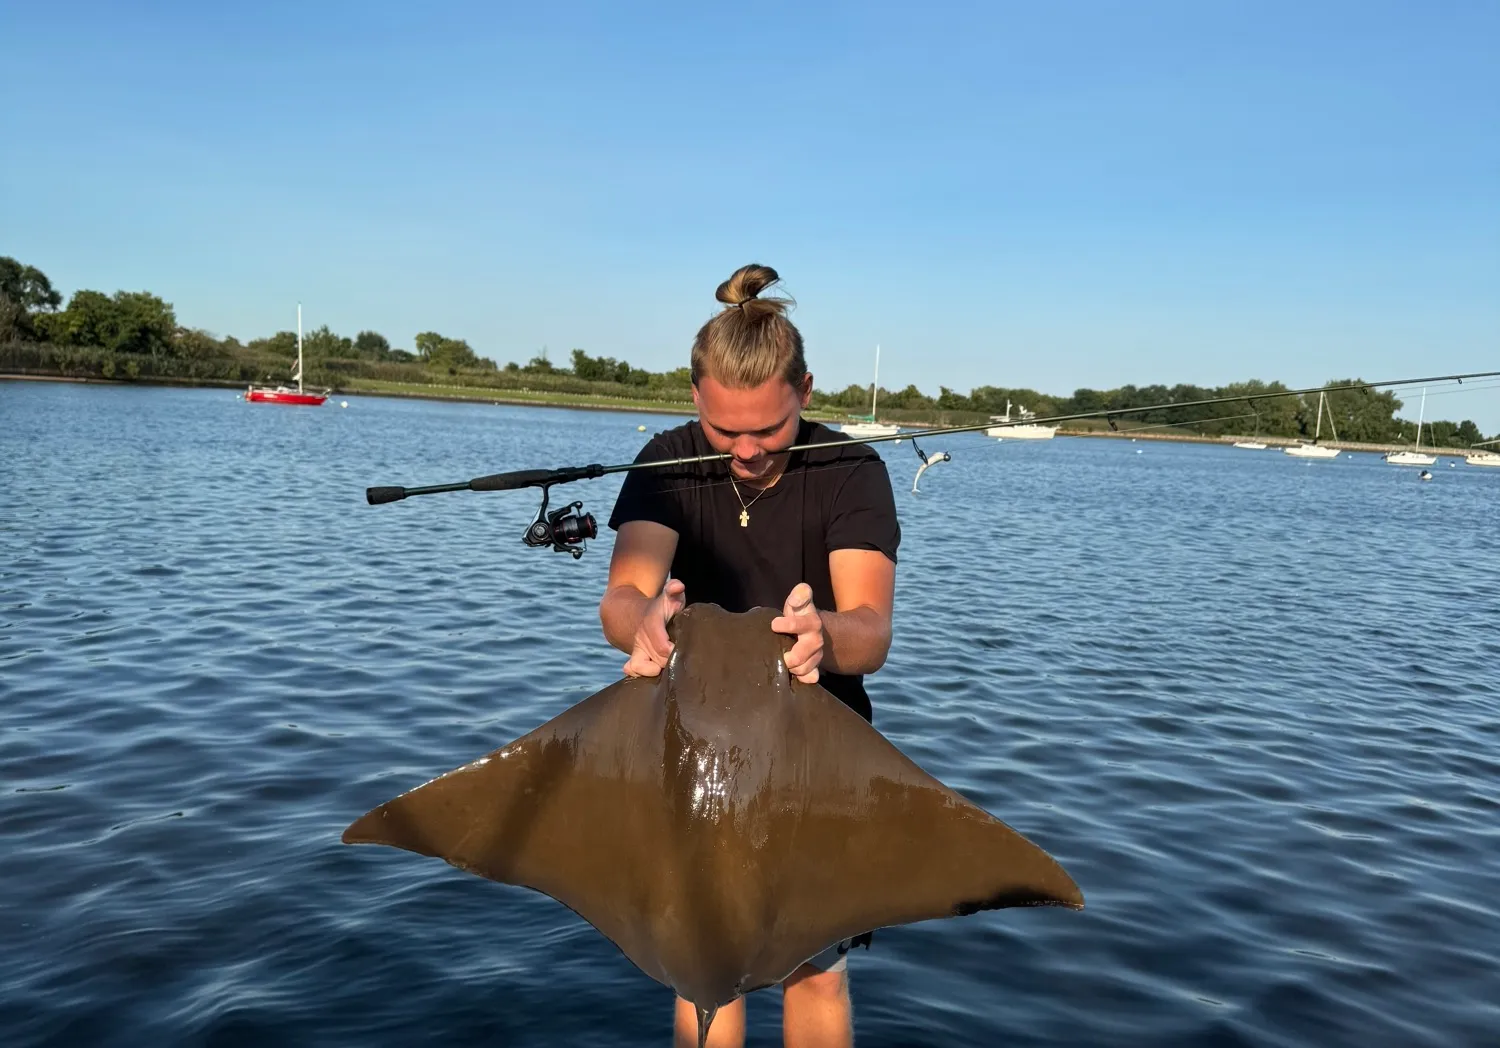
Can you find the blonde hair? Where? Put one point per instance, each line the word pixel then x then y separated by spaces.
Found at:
pixel 750 341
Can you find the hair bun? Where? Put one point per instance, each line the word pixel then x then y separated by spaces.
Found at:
pixel 746 283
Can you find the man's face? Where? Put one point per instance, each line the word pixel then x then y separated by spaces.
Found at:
pixel 753 425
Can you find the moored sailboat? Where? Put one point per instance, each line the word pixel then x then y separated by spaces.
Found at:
pixel 866 426
pixel 1316 450
pixel 284 394
pixel 1415 457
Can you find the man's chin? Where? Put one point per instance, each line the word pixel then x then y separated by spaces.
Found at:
pixel 759 471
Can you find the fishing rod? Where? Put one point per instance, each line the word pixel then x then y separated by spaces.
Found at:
pixel 565 529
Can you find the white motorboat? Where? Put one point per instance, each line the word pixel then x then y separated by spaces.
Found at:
pixel 1019 429
pixel 1316 450
pixel 1415 457
pixel 1482 458
pixel 867 426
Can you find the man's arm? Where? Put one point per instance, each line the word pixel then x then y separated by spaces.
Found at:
pixel 636 605
pixel 857 633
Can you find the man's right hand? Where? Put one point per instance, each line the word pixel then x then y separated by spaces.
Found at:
pixel 652 646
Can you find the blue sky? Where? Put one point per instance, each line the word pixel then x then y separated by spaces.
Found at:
pixel 1047 195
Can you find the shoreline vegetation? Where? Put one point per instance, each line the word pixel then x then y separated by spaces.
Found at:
pixel 134 337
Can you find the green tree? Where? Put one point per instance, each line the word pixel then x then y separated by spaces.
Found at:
pixel 540 364
pixel 281 344
pixel 196 344
pixel 1266 416
pixel 950 401
pixel 1362 414
pixel 27 286
pixel 608 369
pixel 322 344
pixel 908 398
pixel 372 345
pixel 437 351
pixel 128 322
pixel 593 369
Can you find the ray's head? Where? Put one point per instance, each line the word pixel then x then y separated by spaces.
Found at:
pixel 726 652
pixel 750 377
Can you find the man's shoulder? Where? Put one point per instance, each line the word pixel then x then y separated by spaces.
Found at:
pixel 681 441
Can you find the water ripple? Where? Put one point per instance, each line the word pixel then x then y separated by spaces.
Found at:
pixel 1249 702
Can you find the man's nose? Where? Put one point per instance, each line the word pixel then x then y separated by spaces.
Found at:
pixel 745 449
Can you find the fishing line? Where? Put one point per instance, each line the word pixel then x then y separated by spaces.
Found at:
pixel 567 528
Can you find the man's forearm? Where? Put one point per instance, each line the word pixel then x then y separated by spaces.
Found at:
pixel 855 641
pixel 620 613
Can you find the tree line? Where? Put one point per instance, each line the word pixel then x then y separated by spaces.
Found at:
pixel 135 335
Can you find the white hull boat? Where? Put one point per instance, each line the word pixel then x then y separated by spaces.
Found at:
pixel 1415 457
pixel 1311 451
pixel 867 426
pixel 869 429
pixel 1316 450
pixel 1250 445
pixel 1020 429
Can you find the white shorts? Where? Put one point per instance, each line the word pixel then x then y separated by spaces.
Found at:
pixel 833 959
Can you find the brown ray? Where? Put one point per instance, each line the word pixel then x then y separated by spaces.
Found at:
pixel 721 823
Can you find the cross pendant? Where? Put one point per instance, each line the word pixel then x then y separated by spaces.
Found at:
pixel 744 518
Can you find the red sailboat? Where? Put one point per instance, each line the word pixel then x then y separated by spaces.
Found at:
pixel 283 394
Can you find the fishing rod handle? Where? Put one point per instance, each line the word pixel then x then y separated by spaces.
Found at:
pixel 379 496
pixel 521 478
pixel 534 478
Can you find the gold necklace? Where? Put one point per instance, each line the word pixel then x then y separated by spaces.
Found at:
pixel 745 506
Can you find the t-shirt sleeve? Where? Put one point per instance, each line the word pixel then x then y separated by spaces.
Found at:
pixel 864 511
pixel 648 494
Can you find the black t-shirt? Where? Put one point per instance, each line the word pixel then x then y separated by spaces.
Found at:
pixel 838 497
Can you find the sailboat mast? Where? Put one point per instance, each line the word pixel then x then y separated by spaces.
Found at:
pixel 875 386
pixel 1421 414
pixel 1319 431
pixel 299 347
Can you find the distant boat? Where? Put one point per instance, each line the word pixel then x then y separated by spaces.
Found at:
pixel 1021 429
pixel 1482 458
pixel 1316 450
pixel 867 426
pixel 282 394
pixel 1413 458
pixel 1253 444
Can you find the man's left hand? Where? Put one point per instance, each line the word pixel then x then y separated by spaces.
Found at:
pixel 800 618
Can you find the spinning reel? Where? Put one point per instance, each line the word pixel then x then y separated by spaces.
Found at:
pixel 563 529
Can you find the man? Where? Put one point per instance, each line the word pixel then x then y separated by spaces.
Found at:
pixel 813 533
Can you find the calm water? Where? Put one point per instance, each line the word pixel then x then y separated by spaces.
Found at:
pixel 1251 703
